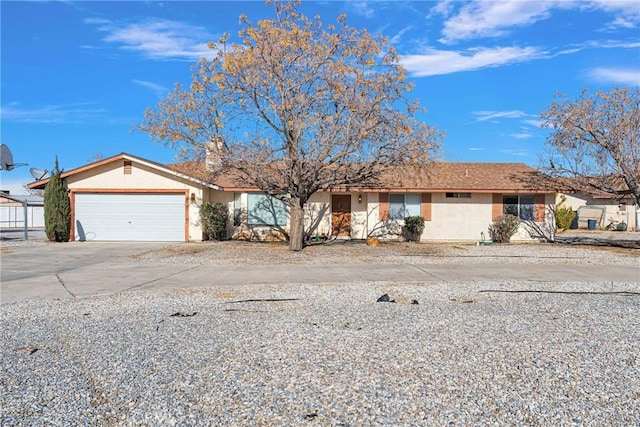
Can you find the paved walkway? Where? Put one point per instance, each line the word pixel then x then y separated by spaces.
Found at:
pixel 78 270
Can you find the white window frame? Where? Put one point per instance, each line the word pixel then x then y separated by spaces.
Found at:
pixel 410 205
pixel 457 195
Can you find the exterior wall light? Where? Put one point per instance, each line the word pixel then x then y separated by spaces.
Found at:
pixel 359 198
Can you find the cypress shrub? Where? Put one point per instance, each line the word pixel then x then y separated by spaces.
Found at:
pixel 413 228
pixel 214 217
pixel 57 208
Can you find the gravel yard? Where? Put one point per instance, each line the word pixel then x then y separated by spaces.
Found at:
pixel 481 353
pixel 349 252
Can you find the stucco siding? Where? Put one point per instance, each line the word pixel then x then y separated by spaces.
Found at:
pixel 111 176
pixel 373 213
pixel 317 220
pixel 458 219
pixel 453 219
pixel 359 216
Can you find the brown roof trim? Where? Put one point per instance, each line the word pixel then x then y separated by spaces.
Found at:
pixel 43 182
pixel 118 157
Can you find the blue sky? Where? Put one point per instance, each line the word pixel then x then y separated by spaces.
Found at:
pixel 77 76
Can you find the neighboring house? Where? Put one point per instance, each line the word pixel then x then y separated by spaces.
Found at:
pixel 602 208
pixel 16 209
pixel 129 198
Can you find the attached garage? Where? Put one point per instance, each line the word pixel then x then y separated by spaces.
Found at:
pixel 130 216
pixel 128 198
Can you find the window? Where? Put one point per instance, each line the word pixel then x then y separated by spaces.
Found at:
pixel 458 195
pixel 520 206
pixel 265 210
pixel 404 205
pixel 237 209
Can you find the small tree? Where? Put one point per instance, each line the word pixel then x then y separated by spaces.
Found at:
pixel 413 228
pixel 503 228
pixel 57 208
pixel 594 145
pixel 214 217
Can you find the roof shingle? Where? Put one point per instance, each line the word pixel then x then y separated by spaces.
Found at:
pixel 442 176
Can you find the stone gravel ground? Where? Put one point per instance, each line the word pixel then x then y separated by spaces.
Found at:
pixel 467 354
pixel 354 252
pixel 480 353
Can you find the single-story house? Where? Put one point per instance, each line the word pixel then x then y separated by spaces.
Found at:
pixel 125 197
pixel 601 208
pixel 15 210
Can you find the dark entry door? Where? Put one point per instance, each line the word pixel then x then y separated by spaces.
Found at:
pixel 340 215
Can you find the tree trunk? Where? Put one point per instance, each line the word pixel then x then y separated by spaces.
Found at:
pixel 296 232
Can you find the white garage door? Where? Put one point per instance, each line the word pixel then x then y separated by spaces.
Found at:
pixel 131 216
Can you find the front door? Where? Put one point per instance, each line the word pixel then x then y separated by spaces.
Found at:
pixel 340 215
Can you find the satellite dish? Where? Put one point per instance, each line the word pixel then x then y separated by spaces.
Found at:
pixel 39 174
pixel 6 158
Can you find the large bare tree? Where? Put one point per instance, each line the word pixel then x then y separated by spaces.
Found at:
pixel 595 142
pixel 297 107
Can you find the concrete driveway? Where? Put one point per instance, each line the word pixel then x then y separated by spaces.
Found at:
pixel 80 269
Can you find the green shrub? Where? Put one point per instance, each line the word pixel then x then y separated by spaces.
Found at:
pixel 57 208
pixel 214 217
pixel 564 215
pixel 503 228
pixel 413 228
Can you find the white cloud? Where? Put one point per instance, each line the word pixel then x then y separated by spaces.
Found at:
pixel 159 39
pixel 482 116
pixel 398 36
pixel 158 90
pixel 596 44
pixel 493 18
pixel 626 12
pixel 443 8
pixel 621 22
pixel 613 44
pixel 71 113
pixel 362 8
pixel 622 76
pixel 521 135
pixel 514 152
pixel 435 62
pixel 480 18
pixel 533 122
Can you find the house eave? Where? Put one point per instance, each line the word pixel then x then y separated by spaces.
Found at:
pixel 38 185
